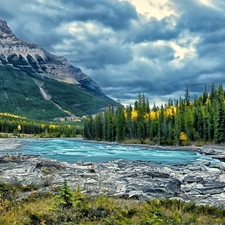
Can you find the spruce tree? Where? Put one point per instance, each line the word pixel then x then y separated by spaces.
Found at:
pixel 98 127
pixel 187 96
pixel 220 116
pixel 129 122
pixel 120 124
pixel 65 197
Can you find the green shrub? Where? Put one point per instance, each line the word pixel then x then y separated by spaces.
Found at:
pixel 65 198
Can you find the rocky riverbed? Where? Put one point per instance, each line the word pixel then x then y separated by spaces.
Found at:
pixel 203 182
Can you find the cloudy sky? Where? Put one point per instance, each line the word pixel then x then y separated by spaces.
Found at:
pixel 130 47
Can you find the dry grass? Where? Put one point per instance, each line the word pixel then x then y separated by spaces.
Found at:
pixel 39 209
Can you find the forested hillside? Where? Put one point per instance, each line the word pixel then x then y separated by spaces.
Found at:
pixel 24 95
pixel 13 125
pixel 179 122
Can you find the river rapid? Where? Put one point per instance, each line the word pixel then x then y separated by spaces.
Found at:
pixel 72 150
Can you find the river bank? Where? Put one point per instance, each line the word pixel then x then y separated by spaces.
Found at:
pixel 201 182
pixel 167 147
pixel 216 151
pixel 211 149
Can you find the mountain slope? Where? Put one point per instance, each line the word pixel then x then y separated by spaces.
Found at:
pixel 42 98
pixel 38 84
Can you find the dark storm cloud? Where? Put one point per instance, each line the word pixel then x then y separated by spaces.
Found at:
pixel 101 55
pixel 115 14
pixel 33 21
pixel 199 18
pixel 155 29
pixel 209 23
pixel 164 53
pixel 215 37
pixel 93 49
pixel 122 50
pixel 108 54
pixel 39 20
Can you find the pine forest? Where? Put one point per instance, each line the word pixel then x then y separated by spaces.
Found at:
pixel 180 122
pixel 17 126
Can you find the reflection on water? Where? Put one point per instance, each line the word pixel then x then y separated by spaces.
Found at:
pixel 72 150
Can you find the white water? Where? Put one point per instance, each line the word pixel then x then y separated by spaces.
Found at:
pixel 72 150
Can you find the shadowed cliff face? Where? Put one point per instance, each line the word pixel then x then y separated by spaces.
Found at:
pixel 29 58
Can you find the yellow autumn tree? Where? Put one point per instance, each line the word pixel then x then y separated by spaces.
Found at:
pixel 153 115
pixel 52 126
pixel 134 114
pixel 183 138
pixel 19 127
pixel 170 111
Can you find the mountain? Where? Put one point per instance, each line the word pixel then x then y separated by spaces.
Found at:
pixel 37 84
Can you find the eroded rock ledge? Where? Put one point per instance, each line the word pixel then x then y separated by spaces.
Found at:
pixel 203 182
pixel 215 151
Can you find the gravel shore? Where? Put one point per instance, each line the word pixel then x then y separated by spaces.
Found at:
pixel 201 182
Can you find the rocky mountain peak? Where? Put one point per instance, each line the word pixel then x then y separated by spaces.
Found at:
pixel 7 37
pixel 5 31
pixel 32 59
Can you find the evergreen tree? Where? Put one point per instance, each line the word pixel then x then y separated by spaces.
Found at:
pixel 213 94
pixel 188 122
pixel 120 124
pixel 187 96
pixel 205 95
pixel 110 124
pixel 177 127
pixel 161 126
pixel 65 197
pixel 98 127
pixel 202 120
pixel 220 117
pixel 129 122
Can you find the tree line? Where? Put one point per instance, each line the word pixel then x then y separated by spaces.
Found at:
pixel 178 122
pixel 16 125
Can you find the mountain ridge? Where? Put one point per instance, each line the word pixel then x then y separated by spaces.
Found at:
pixel 39 67
pixel 32 59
